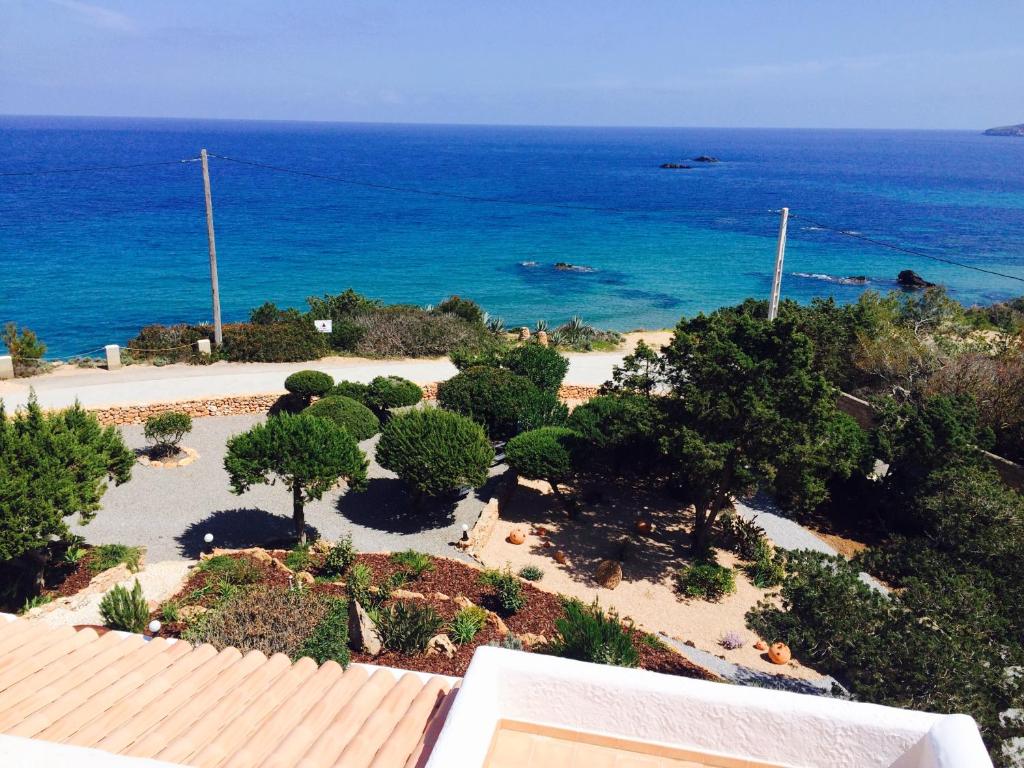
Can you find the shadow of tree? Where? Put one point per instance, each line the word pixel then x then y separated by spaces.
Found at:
pixel 240 528
pixel 288 403
pixel 387 505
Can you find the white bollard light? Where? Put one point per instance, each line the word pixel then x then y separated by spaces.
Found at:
pixel 154 626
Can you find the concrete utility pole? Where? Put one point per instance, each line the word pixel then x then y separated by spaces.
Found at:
pixel 780 253
pixel 218 335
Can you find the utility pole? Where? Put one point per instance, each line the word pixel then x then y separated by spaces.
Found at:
pixel 780 253
pixel 218 334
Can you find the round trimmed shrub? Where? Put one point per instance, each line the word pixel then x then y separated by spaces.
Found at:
pixel 706 580
pixel 616 431
pixel 544 366
pixel 392 392
pixel 354 389
pixel 165 430
pixel 435 451
pixel 542 454
pixel 503 402
pixel 309 384
pixel 356 418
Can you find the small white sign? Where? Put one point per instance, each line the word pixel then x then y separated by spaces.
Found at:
pixel 324 326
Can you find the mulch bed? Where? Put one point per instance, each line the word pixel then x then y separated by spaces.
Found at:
pixel 449 578
pixel 65 580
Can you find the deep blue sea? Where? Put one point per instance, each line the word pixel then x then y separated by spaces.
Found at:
pixel 87 258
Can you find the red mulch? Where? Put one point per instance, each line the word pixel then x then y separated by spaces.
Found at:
pixel 64 580
pixel 450 578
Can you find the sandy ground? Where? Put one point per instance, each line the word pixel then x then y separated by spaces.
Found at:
pixel 646 594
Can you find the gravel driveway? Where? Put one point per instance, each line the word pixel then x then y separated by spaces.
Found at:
pixel 170 510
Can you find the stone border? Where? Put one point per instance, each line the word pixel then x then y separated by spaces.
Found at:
pixel 480 532
pixel 191 454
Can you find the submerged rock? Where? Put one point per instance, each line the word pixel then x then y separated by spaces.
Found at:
pixel 705 159
pixel 675 166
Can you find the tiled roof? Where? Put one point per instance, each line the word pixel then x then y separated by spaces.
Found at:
pixel 200 707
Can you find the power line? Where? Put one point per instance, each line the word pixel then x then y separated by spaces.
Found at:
pixel 903 249
pixel 93 168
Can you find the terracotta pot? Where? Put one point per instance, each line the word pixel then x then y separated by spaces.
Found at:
pixel 644 526
pixel 516 536
pixel 761 645
pixel 560 557
pixel 778 653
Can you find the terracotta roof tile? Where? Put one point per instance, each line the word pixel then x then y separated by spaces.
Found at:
pixel 203 708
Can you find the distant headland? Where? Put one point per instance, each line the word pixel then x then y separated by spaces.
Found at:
pixel 1006 130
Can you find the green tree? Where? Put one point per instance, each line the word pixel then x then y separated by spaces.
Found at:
pixel 543 454
pixel 544 366
pixel 306 453
pixel 641 373
pixel 53 466
pixel 616 432
pixel 25 348
pixel 503 402
pixel 746 407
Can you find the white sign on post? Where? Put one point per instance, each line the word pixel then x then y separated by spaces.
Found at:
pixel 324 326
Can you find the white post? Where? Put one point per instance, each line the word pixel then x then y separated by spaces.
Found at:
pixel 780 253
pixel 113 357
pixel 203 347
pixel 6 367
pixel 218 336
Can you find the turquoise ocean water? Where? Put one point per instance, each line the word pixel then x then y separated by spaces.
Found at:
pixel 87 258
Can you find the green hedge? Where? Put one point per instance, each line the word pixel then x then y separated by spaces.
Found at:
pixel 356 418
pixel 288 342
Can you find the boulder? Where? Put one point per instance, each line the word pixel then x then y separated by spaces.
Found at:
pixel 496 621
pixel 362 632
pixel 761 645
pixel 542 338
pixel 405 594
pixel 440 596
pixel 560 557
pixel 462 602
pixel 188 612
pixel 441 645
pixel 304 577
pixel 524 334
pixel 529 640
pixel 705 159
pixel 608 574
pixel 909 279
pixel 675 166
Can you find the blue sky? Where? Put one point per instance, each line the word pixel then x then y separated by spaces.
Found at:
pixel 867 64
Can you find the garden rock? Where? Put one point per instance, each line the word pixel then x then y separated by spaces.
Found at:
pixel 609 574
pixel 321 547
pixel 362 632
pixel 439 596
pixel 529 640
pixel 188 613
pixel 440 644
pixel 463 602
pixel 304 577
pixel 405 594
pixel 495 621
pixel 761 645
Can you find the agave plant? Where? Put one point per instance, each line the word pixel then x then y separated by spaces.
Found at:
pixel 542 325
pixel 575 331
pixel 494 324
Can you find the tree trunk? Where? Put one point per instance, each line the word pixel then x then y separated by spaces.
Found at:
pixel 299 515
pixel 705 519
pixel 569 509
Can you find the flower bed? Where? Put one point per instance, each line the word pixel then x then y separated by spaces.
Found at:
pixel 439 586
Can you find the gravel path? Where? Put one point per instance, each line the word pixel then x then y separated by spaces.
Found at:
pixel 170 510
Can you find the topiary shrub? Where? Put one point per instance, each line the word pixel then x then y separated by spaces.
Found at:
pixel 329 639
pixel 435 451
pixel 543 454
pixel 309 384
pixel 165 431
pixel 392 392
pixel 406 628
pixel 706 580
pixel 124 610
pixel 544 366
pixel 586 633
pixel 356 418
pixel 617 432
pixel 467 309
pixel 503 402
pixel 340 557
pixel 354 389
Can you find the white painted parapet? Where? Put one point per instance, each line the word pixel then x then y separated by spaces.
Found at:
pixel 113 356
pixel 6 367
pixel 18 752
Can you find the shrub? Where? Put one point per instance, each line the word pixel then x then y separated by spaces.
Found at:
pixel 124 610
pixel 358 582
pixel 25 349
pixel 543 454
pixel 170 612
pixel 356 418
pixel 508 589
pixel 744 537
pixel 586 633
pixel 509 642
pixel 232 570
pixel 617 432
pixel 329 639
pixel 467 624
pixel 309 384
pixel 769 566
pixel 173 343
pixel 298 558
pixel 288 342
pixel 504 403
pixel 269 313
pixel 165 430
pixel 353 389
pixel 435 451
pixel 416 563
pixel 107 556
pixel 406 628
pixel 392 392
pixel 731 640
pixel 544 366
pixel 467 309
pixel 706 580
pixel 340 557
pixel 262 619
pixel 531 573
pixel 404 331
pixel 490 355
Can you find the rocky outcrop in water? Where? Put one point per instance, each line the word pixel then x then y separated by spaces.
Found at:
pixel 909 279
pixel 675 166
pixel 705 159
pixel 1006 130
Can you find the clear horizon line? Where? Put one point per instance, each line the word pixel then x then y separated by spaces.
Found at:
pixel 620 126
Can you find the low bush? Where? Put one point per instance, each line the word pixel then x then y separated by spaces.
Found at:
pixel 404 331
pixel 531 573
pixel 508 589
pixel 413 562
pixel 503 402
pixel 288 342
pixel 544 366
pixel 769 566
pixel 329 639
pixel 467 309
pixel 392 392
pixel 353 389
pixel 434 451
pixel 586 633
pixel 406 628
pixel 25 349
pixel 731 640
pixel 231 570
pixel 744 537
pixel 467 624
pixel 340 557
pixel 489 355
pixel 170 612
pixel 165 430
pixel 124 610
pixel 173 343
pixel 270 620
pixel 358 583
pixel 106 556
pixel 309 384
pixel 298 558
pixel 356 418
pixel 577 335
pixel 706 580
pixel 269 313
